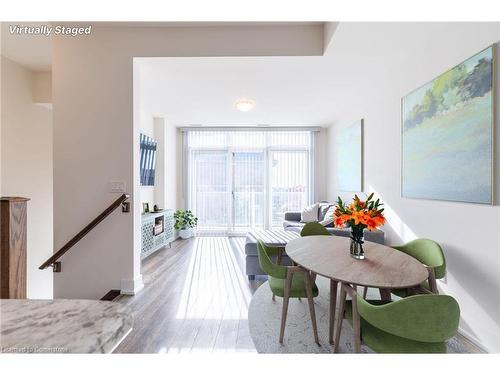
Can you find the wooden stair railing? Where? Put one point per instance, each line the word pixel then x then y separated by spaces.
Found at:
pixel 52 261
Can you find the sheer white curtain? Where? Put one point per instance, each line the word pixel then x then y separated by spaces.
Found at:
pixel 239 180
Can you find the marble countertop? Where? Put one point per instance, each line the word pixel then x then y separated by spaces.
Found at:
pixel 62 326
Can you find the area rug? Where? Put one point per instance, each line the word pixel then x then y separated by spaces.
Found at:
pixel 264 319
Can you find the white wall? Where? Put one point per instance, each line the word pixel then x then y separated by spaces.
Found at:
pixel 173 153
pixel 148 193
pixel 159 188
pixel 154 123
pixel 42 87
pixel 95 139
pixel 164 192
pixel 26 168
pixel 181 197
pixel 321 167
pixel 379 64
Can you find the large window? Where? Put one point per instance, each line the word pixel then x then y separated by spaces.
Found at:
pixel 289 183
pixel 241 180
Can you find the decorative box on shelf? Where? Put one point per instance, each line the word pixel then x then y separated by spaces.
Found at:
pixel 157 231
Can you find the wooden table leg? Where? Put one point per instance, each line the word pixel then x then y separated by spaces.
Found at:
pixel 356 325
pixel 340 318
pixel 284 311
pixel 385 294
pixel 307 279
pixel 280 255
pixel 333 307
pixel 278 262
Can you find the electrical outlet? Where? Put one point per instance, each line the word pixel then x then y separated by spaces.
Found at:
pixel 117 186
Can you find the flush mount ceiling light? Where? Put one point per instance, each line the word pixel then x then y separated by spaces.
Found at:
pixel 244 105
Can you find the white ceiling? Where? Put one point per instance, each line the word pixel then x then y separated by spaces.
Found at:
pixel 288 91
pixel 31 51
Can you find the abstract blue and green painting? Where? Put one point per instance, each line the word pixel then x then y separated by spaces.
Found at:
pixel 447 134
pixel 350 158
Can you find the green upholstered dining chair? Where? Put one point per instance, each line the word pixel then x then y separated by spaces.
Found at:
pixel 288 282
pixel 431 255
pixel 314 229
pixel 416 324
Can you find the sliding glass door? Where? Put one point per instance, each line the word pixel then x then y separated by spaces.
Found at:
pixel 248 191
pixel 209 189
pixel 289 185
pixel 244 180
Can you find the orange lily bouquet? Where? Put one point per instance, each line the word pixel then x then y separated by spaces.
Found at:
pixel 367 214
pixel 359 215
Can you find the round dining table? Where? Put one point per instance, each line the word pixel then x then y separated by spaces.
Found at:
pixel 383 267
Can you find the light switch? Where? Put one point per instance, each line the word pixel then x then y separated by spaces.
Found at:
pixel 117 186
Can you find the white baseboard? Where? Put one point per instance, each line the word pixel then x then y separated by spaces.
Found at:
pixel 131 286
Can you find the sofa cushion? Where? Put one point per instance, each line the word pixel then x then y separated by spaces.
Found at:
pixel 309 214
pixel 323 209
pixel 251 246
pixel 292 216
pixel 288 223
pixel 327 220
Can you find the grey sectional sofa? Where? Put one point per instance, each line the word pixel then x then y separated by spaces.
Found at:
pixel 292 223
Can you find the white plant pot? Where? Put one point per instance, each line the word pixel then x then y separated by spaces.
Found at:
pixel 186 233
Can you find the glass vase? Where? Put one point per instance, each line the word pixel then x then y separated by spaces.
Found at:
pixel 357 240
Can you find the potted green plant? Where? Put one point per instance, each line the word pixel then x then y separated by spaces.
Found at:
pixel 185 221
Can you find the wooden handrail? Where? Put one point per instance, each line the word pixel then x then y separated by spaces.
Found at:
pixel 84 231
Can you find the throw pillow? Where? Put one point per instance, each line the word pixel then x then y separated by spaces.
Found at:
pixel 309 214
pixel 328 219
pixel 323 209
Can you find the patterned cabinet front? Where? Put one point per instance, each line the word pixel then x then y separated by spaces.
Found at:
pixel 169 226
pixel 150 241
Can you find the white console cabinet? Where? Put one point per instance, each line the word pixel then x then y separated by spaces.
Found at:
pixel 157 231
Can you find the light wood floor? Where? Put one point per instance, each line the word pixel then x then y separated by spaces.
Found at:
pixel 195 299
